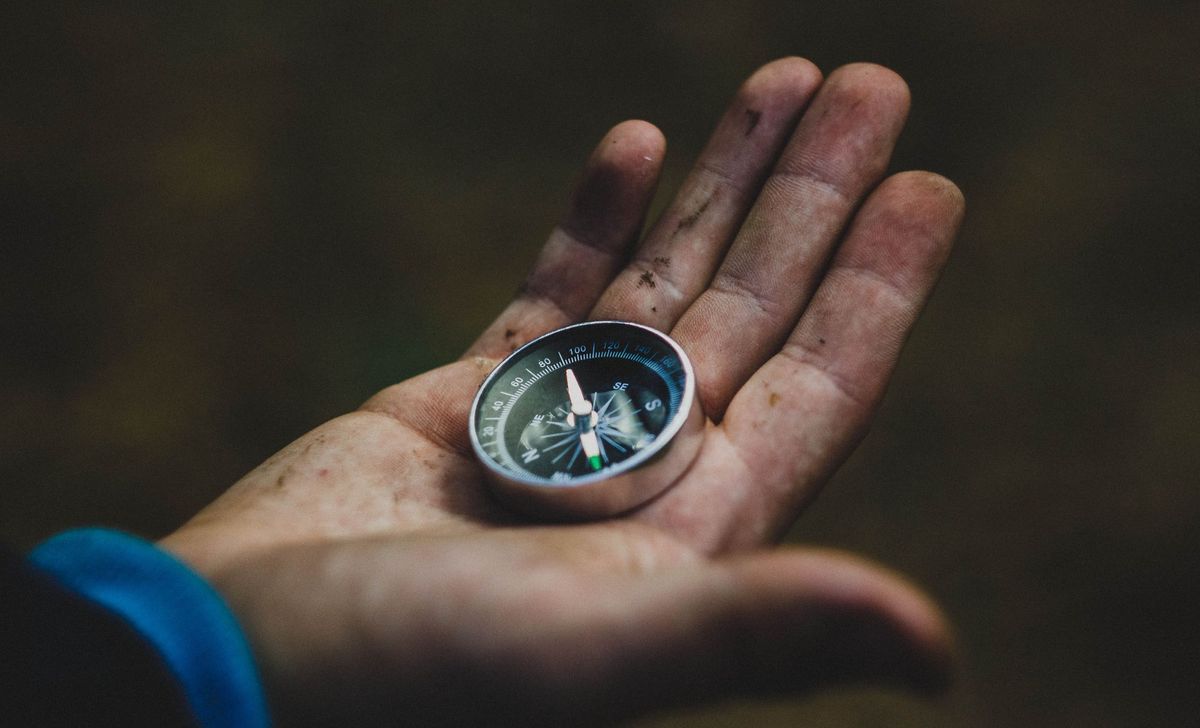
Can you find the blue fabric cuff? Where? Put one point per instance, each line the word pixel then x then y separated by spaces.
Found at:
pixel 174 609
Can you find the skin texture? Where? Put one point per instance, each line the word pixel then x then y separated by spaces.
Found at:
pixel 380 583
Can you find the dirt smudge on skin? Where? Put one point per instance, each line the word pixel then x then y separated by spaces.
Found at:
pixel 753 116
pixel 646 279
pixel 662 261
pixel 483 365
pixel 690 220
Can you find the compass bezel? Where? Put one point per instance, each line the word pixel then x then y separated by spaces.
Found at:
pixel 614 489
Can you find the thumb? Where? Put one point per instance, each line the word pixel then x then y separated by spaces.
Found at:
pixel 784 622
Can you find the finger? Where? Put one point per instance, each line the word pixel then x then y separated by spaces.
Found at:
pixel 766 625
pixel 803 412
pixel 839 151
pixel 585 250
pixel 676 260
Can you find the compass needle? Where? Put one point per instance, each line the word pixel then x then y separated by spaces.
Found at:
pixel 579 404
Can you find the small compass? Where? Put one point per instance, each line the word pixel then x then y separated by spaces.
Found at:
pixel 588 420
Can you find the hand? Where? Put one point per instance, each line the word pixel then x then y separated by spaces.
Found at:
pixel 378 580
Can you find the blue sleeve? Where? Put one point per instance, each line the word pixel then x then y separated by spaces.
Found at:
pixel 175 611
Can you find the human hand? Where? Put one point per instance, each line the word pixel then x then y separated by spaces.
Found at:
pixel 379 581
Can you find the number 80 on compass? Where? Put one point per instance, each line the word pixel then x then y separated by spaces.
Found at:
pixel 588 420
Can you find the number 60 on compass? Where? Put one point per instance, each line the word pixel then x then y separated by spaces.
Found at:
pixel 588 420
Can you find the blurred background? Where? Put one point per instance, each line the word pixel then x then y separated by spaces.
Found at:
pixel 224 223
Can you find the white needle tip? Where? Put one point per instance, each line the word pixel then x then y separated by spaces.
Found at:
pixel 580 406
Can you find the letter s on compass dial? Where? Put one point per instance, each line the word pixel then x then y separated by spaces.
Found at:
pixel 588 420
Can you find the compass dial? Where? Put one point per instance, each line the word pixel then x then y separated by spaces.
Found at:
pixel 582 404
pixel 627 419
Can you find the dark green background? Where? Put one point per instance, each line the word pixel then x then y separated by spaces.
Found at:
pixel 223 224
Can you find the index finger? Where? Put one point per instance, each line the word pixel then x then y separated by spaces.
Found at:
pixel 585 250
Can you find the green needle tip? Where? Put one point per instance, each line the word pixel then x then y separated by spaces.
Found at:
pixel 594 461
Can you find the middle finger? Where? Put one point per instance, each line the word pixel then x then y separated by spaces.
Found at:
pixel 674 263
pixel 839 151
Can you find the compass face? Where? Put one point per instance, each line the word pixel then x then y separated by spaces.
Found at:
pixel 582 403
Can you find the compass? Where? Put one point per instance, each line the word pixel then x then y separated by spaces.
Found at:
pixel 588 420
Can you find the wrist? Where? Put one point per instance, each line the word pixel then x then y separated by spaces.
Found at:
pixel 179 613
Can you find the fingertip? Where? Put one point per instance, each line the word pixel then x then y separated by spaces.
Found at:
pixel 793 78
pixel 632 144
pixel 871 82
pixel 925 652
pixel 617 185
pixel 636 128
pixel 768 103
pixel 930 184
pixel 923 626
pixel 927 208
pixel 866 622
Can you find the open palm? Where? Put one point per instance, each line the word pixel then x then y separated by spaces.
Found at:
pixel 376 576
